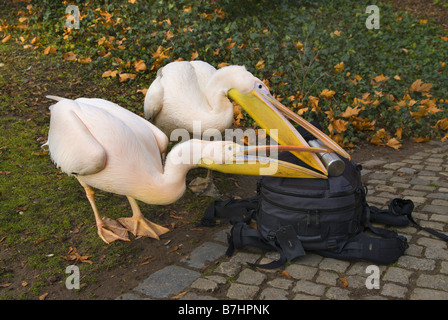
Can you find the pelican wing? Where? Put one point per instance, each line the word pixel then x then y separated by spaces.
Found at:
pixel 137 124
pixel 72 146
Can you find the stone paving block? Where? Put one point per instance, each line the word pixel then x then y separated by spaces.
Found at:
pixel 339 266
pixel 393 290
pixel 429 242
pixel 248 276
pixel 444 267
pixel 399 275
pixel 435 209
pixel 301 272
pixel 437 281
pixel 208 251
pixel 428 294
pixel 240 291
pixel 335 293
pixel 273 294
pixel 327 277
pixel 301 296
pixel 416 263
pixel 229 268
pixel 308 287
pixel 167 282
pixel 373 163
pixel 281 283
pixel 204 285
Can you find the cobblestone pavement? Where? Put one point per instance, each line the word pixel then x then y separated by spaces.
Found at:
pixel 420 274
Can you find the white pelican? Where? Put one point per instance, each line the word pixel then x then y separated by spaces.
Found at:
pixel 110 148
pixel 184 92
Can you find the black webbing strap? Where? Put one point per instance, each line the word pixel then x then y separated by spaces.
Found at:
pixel 405 207
pixel 238 209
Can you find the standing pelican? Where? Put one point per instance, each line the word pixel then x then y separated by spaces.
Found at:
pixel 110 148
pixel 184 92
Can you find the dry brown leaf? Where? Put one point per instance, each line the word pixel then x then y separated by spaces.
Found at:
pixel 143 91
pixel 69 56
pixel 42 297
pixel 286 274
pixel 110 73
pixel 175 248
pixel 50 49
pixel 84 60
pixel 419 86
pixel 6 39
pixel 222 64
pixel 393 143
pixel 5 285
pixel 339 67
pixel 344 282
pixel 139 65
pixel 350 112
pixel 127 76
pixel 421 139
pixel 180 295
pixel 260 65
pixel 194 55
pixel 327 93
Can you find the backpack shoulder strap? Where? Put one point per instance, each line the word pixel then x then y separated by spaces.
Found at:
pixel 236 209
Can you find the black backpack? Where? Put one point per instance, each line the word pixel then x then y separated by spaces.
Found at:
pixel 328 216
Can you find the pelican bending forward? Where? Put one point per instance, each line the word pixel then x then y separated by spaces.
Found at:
pixel 184 92
pixel 110 148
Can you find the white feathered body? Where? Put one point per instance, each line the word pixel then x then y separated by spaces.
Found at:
pixel 184 92
pixel 112 149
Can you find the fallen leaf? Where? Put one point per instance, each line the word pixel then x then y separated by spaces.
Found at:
pixel 338 33
pixel 344 282
pixel 299 45
pixel 327 93
pixel 50 49
pixel 24 283
pixel 194 55
pixel 6 39
pixel 42 297
pixel 175 248
pixel 139 65
pixel 399 133
pixel 350 112
pixel 260 65
pixel 222 64
pixel 421 139
pixel 126 76
pixel 442 124
pixel 393 143
pixel 84 60
pixel 286 274
pixel 180 295
pixel 143 91
pixel 69 56
pixel 110 73
pixel 339 67
pixel 419 86
pixel 5 285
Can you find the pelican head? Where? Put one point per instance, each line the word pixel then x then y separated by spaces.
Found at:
pixel 254 97
pixel 233 158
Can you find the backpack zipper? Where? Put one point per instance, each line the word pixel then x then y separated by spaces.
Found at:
pixel 324 195
pixel 323 210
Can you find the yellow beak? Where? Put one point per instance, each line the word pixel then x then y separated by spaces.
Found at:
pixel 270 114
pixel 246 163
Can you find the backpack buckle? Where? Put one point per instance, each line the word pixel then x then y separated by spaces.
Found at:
pixel 332 244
